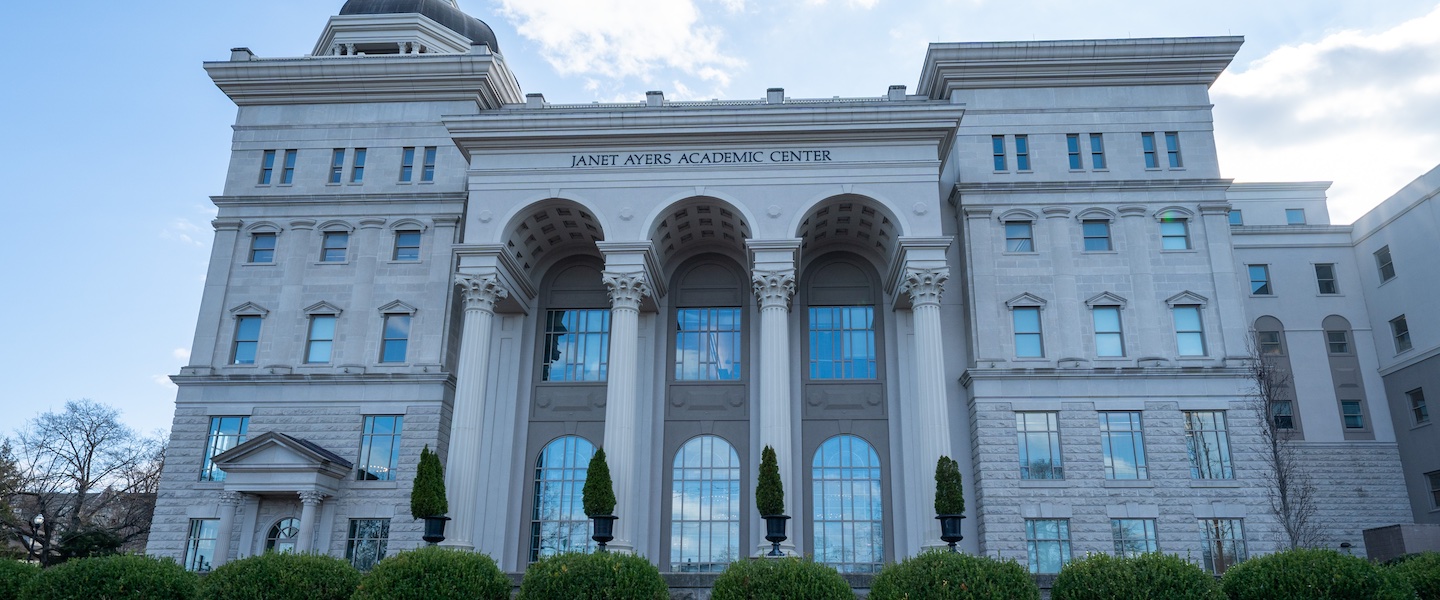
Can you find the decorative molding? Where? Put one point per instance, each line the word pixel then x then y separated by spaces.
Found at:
pixel 481 292
pixel 408 224
pixel 1053 212
pixel 302 224
pixel 1174 212
pixel 1026 299
pixel 230 499
pixel 1018 214
pixel 337 225
pixel 311 497
pixel 1132 210
pixel 1187 298
pixel 1215 208
pixel 774 289
pixel 627 290
pixel 250 309
pixel 397 307
pixel 924 286
pixel 1106 299
pixel 263 226
pixel 1095 214
pixel 323 308
pixel 372 222
pixel 226 224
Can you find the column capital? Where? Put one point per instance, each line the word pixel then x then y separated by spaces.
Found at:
pixel 924 286
pixel 626 290
pixel 230 499
pixel 774 288
pixel 481 291
pixel 311 498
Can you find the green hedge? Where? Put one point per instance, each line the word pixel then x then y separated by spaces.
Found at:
pixel 435 573
pixel 599 576
pixel 120 577
pixel 946 575
pixel 780 579
pixel 1313 575
pixel 1422 571
pixel 277 576
pixel 13 576
pixel 1148 576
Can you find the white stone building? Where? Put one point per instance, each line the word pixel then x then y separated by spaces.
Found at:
pixel 1030 264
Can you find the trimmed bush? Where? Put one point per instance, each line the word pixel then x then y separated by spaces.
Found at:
pixel 949 490
pixel 1313 575
pixel 435 573
pixel 599 576
pixel 769 491
pixel 282 576
pixel 1422 571
pixel 780 579
pixel 118 577
pixel 13 576
pixel 427 493
pixel 945 575
pixel 1149 576
pixel 598 495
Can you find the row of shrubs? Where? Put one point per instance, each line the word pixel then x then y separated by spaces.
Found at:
pixel 440 574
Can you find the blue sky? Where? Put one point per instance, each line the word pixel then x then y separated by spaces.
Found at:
pixel 114 138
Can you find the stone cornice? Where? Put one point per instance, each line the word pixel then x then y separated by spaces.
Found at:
pixel 307 378
pixel 1020 373
pixel 339 199
pixel 1113 185
pixel 475 77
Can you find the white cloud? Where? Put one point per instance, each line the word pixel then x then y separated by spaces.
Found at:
pixel 185 230
pixel 861 4
pixel 181 353
pixel 162 381
pixel 1357 108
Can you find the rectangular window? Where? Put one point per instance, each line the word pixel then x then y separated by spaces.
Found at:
pixel 1338 342
pixel 428 173
pixel 1208 444
pixel 1172 149
pixel 1418 409
pixel 357 170
pixel 200 544
pixel 1019 237
pixel 1283 413
pixel 1122 440
pixel 1259 280
pixel 577 345
pixel 1401 331
pixel 1072 151
pixel 1294 216
pixel 1354 416
pixel 1022 152
pixel 337 165
pixel 267 167
pixel 1048 544
pixel 1189 330
pixel 321 339
pixel 1133 537
pixel 1434 478
pixel 395 339
pixel 1097 235
pixel 997 148
pixel 1325 278
pixel 379 448
pixel 407 246
pixel 1269 342
pixel 247 340
pixel 1029 342
pixel 1097 151
pixel 1109 338
pixel 1038 434
pixel 366 543
pixel 262 247
pixel 333 246
pixel 407 164
pixel 1237 217
pixel 842 342
pixel 1224 544
pixel 287 175
pixel 707 344
pixel 225 433
pixel 1147 143
pixel 1174 234
pixel 1386 266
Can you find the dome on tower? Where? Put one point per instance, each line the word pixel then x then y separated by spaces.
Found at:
pixel 443 12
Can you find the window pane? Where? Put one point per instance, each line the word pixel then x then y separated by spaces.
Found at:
pixel 576 345
pixel 1295 216
pixel 705 506
pixel 225 433
pixel 1208 445
pixel 1236 217
pixel 1018 237
pixel 848 511
pixel 1123 445
pixel 1038 436
pixel 379 448
pixel 842 342
pixel 707 344
pixel 558 523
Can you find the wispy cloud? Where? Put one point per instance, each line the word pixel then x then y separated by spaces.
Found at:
pixel 187 231
pixel 862 4
pixel 162 381
pixel 181 353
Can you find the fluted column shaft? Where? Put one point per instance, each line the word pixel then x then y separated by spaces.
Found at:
pixel 773 290
pixel 309 509
pixel 622 404
pixel 932 422
pixel 462 472
pixel 229 502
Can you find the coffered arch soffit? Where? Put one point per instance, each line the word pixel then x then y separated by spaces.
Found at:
pixel 860 224
pixel 544 231
pixel 698 224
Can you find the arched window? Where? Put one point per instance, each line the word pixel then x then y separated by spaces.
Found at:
pixel 849 530
pixel 559 523
pixel 282 536
pixel 705 527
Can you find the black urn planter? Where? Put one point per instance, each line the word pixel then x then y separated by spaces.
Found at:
pixel 434 529
pixel 604 530
pixel 950 529
pixel 775 532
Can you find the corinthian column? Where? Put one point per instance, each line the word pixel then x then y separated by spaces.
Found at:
pixel 462 470
pixel 773 290
pixel 932 424
pixel 309 510
pixel 229 501
pixel 622 405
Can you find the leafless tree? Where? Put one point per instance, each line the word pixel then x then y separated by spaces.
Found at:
pixel 1289 487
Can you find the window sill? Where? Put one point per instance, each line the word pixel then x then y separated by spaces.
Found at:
pixel 1129 483
pixel 1336 295
pixel 1421 425
pixel 1030 253
pixel 1215 483
pixel 1044 483
pixel 259 264
pixel 1177 251
pixel 331 262
pixel 210 485
pixel 403 262
pixel 1099 251
pixel 374 484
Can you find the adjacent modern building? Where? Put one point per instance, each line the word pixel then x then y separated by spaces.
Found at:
pixel 1030 262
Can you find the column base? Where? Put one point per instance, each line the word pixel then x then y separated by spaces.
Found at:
pixel 620 547
pixel 786 547
pixel 936 545
pixel 454 545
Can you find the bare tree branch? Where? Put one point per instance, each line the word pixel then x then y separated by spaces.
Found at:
pixel 1289 488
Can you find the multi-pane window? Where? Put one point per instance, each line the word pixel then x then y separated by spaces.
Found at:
pixel 262 247
pixel 1400 330
pixel 334 245
pixel 1269 342
pixel 1047 542
pixel 321 339
pixel 1418 409
pixel 267 167
pixel 707 344
pixel 287 174
pixel 1029 341
pixel 1174 234
pixel 283 535
pixel 1019 236
pixel 1294 216
pixel 997 149
pixel 1224 544
pixel 1259 280
pixel 407 164
pixel 1133 537
pixel 1147 144
pixel 848 511
pixel 337 165
pixel 1172 149
pixel 1283 413
pixel 357 170
pixel 1384 264
pixel 1325 279
pixel 247 340
pixel 1338 342
pixel 366 542
pixel 407 245
pixel 1109 338
pixel 395 339
pixel 1122 441
pixel 225 433
pixel 1237 217
pixel 577 345
pixel 558 523
pixel 1354 416
pixel 1022 152
pixel 1097 151
pixel 1097 235
pixel 1038 436
pixel 842 342
pixel 379 448
pixel 1208 445
pixel 427 173
pixel 1433 478
pixel 1072 151
pixel 705 506
pixel 1189 330
pixel 200 544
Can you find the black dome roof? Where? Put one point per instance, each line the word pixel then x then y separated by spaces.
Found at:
pixel 439 11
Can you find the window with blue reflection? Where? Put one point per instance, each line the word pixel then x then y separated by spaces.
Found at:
pixel 842 342
pixel 707 344
pixel 367 542
pixel 1097 235
pixel 247 340
pixel 1174 234
pixel 1109 338
pixel 1038 436
pixel 997 147
pixel 848 510
pixel 1022 152
pixel 407 246
pixel 558 523
pixel 1208 443
pixel 1097 150
pixel 1047 542
pixel 1029 342
pixel 262 248
pixel 1019 237
pixel 332 249
pixel 379 448
pixel 200 544
pixel 1147 144
pixel 1189 331
pixel 1172 149
pixel 225 433
pixel 705 506
pixel 283 535
pixel 1072 151
pixel 321 339
pixel 577 345
pixel 396 338
pixel 1122 443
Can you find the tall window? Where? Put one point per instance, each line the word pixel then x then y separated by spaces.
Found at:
pixel 262 247
pixel 1401 331
pixel 395 339
pixel 1338 342
pixel 1029 341
pixel 1038 435
pixel 407 245
pixel 1384 264
pixel 321 339
pixel 407 164
pixel 1097 151
pixel 1133 537
pixel 428 172
pixel 379 448
pixel 337 165
pixel 1109 338
pixel 707 344
pixel 1019 236
pixel 1259 280
pixel 1122 440
pixel 334 245
pixel 1022 152
pixel 225 433
pixel 287 175
pixel 247 340
pixel 1224 543
pixel 1325 279
pixel 1294 216
pixel 357 170
pixel 200 544
pixel 1189 331
pixel 577 345
pixel 1353 414
pixel 267 167
pixel 848 511
pixel 842 342
pixel 1208 445
pixel 282 536
pixel 997 149
pixel 366 542
pixel 1072 151
pixel 1174 234
pixel 1433 478
pixel 558 523
pixel 705 506
pixel 1097 235
pixel 1147 144
pixel 1047 542
pixel 1172 149
pixel 1418 409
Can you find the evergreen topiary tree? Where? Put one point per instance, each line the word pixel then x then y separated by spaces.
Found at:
pixel 769 491
pixel 598 493
pixel 427 495
pixel 949 489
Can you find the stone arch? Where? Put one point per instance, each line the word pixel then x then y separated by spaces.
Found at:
pixel 853 222
pixel 544 231
pixel 698 224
